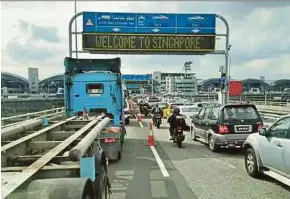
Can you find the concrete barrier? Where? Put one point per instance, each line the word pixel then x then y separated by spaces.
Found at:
pixel 284 109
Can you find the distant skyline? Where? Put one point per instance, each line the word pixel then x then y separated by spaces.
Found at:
pixel 259 35
pixel 198 79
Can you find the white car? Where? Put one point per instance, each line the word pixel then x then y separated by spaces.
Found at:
pixel 160 17
pixel 126 112
pixel 268 151
pixel 189 112
pixel 153 101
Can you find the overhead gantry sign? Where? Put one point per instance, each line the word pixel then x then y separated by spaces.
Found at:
pixel 150 33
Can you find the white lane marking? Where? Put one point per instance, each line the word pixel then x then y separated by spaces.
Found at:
pixel 141 125
pixel 225 163
pixel 159 162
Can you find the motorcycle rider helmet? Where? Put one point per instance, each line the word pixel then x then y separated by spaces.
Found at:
pixel 176 111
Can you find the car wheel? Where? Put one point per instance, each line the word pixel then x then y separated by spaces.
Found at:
pixel 251 163
pixel 212 144
pixel 193 136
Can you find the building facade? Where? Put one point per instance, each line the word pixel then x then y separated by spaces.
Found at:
pixel 33 79
pixel 173 83
pixel 186 86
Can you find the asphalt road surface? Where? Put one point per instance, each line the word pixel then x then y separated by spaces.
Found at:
pixel 188 173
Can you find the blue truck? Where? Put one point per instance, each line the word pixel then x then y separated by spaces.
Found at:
pixel 95 86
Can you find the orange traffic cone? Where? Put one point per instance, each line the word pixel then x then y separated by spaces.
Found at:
pixel 139 118
pixel 151 139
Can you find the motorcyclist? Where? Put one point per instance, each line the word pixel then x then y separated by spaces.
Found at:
pixel 172 121
pixel 156 110
pixel 141 104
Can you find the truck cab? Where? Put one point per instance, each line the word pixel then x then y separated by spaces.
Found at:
pixel 95 86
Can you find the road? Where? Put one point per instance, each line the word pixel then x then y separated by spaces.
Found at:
pixel 194 171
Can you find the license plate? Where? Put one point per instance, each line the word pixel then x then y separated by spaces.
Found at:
pixel 243 128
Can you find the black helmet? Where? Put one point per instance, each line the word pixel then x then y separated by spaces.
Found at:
pixel 176 110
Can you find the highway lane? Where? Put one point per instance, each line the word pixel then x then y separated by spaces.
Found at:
pixel 137 174
pixel 195 171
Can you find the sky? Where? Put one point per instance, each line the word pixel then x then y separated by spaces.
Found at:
pixel 35 34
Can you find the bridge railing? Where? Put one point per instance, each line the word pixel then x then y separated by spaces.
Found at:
pixel 19 118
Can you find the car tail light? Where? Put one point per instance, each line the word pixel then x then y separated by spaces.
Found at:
pixel 259 126
pixel 110 140
pixel 223 129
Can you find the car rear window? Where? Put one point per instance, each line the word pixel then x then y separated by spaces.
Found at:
pixel 241 112
pixel 153 100
pixel 190 109
pixel 162 104
pixel 173 106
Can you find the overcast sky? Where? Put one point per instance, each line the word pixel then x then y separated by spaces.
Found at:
pixel 35 34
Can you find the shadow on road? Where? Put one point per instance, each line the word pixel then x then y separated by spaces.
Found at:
pixel 274 181
pixel 195 150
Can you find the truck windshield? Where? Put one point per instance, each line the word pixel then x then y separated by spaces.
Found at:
pixel 95 88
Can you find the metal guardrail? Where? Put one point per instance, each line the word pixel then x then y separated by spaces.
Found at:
pixel 34 122
pixel 18 119
pixel 33 114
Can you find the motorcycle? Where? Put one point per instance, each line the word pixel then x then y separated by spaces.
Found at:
pixel 178 136
pixel 144 110
pixel 157 121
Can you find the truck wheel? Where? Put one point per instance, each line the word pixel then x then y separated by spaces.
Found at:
pixel 103 187
pixel 119 155
pixel 251 163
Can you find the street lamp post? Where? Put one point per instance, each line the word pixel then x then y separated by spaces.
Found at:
pixel 227 97
pixel 152 92
pixel 76 35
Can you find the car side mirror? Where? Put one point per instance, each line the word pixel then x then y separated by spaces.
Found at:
pixel 263 132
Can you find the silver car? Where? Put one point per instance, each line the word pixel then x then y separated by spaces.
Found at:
pixel 268 151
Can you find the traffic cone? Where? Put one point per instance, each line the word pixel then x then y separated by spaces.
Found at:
pixel 151 139
pixel 139 118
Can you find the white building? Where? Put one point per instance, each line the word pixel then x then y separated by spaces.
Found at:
pixel 33 79
pixel 185 85
pixel 171 83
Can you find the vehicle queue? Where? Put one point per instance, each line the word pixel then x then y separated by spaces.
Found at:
pixel 233 126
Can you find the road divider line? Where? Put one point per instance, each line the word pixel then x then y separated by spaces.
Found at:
pixel 225 163
pixel 159 162
pixel 140 123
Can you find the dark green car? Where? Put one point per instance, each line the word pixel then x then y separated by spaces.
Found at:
pixel 225 126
